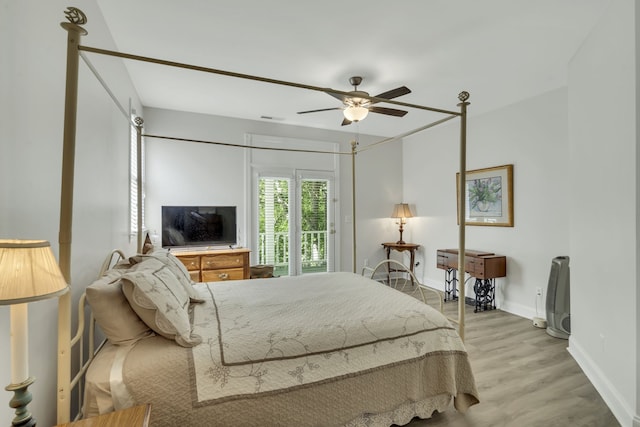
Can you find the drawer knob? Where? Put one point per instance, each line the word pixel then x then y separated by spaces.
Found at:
pixel 223 276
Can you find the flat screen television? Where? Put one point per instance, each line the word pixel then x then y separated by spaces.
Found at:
pixel 184 226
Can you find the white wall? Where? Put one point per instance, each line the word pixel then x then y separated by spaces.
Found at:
pixel 531 135
pixel 196 173
pixel 603 137
pixel 32 93
pixel 575 160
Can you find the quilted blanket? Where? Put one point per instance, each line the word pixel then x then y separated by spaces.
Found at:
pixel 330 349
pixel 276 321
pixel 299 331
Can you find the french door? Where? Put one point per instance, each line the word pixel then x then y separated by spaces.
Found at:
pixel 295 215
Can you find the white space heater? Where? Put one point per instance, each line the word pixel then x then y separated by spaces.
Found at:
pixel 558 309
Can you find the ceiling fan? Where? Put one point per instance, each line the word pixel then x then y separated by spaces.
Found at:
pixel 357 106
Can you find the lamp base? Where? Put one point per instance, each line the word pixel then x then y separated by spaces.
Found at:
pixel 21 398
pixel 400 242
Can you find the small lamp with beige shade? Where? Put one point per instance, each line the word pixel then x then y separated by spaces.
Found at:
pixel 401 212
pixel 28 272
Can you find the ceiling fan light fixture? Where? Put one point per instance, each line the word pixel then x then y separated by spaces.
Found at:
pixel 355 113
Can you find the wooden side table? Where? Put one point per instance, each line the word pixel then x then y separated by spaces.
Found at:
pixel 401 247
pixel 136 416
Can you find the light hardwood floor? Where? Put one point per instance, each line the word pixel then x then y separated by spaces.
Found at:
pixel 525 378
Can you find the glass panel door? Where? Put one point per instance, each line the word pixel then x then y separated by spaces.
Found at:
pixel 314 230
pixel 273 224
pixel 296 238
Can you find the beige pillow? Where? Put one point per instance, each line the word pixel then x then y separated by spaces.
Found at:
pixel 176 266
pixel 155 294
pixel 120 324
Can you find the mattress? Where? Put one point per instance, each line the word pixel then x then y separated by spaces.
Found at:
pixel 331 349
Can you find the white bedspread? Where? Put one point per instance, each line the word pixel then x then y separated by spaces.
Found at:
pixel 273 336
pixel 272 321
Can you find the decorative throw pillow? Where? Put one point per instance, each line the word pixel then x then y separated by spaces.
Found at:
pixel 147 247
pixel 161 301
pixel 176 266
pixel 120 324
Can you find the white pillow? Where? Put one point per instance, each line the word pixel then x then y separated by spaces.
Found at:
pixel 120 324
pixel 154 293
pixel 176 266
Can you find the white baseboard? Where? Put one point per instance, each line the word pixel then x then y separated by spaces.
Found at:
pixel 436 284
pixel 614 400
pixel 519 310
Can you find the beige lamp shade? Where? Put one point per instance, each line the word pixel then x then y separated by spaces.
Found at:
pixel 401 210
pixel 28 272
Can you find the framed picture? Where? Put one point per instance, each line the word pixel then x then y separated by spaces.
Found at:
pixel 488 196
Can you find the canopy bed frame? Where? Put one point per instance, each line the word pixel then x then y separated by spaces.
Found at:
pixel 75 50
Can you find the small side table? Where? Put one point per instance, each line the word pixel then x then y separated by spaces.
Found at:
pixel 401 247
pixel 136 416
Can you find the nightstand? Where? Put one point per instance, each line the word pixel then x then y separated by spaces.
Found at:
pixel 400 247
pixel 136 416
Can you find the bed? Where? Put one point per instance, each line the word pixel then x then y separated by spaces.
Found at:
pixel 325 349
pixel 349 391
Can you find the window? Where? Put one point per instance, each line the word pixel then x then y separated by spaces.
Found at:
pixel 273 224
pixel 314 218
pixel 295 222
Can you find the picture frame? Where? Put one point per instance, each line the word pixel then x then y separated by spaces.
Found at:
pixel 488 196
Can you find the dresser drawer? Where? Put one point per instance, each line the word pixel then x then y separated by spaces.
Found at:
pixel 191 262
pixel 475 267
pixel 221 264
pixel 195 276
pixel 223 274
pixel 222 261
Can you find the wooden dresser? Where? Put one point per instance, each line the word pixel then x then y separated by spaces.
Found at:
pixel 216 265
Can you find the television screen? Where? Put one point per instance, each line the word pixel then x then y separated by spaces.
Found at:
pixel 198 226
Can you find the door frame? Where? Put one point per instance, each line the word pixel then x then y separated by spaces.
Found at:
pixel 266 162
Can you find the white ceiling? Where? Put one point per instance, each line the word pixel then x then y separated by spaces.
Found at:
pixel 501 51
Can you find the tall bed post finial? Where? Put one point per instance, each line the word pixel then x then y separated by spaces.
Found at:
pixel 463 97
pixel 75 32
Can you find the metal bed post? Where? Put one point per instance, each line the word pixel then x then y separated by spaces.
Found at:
pixel 463 97
pixel 76 18
pixel 354 143
pixel 138 121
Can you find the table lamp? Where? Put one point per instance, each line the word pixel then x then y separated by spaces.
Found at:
pixel 401 211
pixel 28 272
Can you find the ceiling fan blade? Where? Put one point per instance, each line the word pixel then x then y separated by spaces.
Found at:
pixel 336 95
pixel 388 111
pixel 345 122
pixel 394 93
pixel 322 109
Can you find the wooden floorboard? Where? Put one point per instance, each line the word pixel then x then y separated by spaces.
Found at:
pixel 525 378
